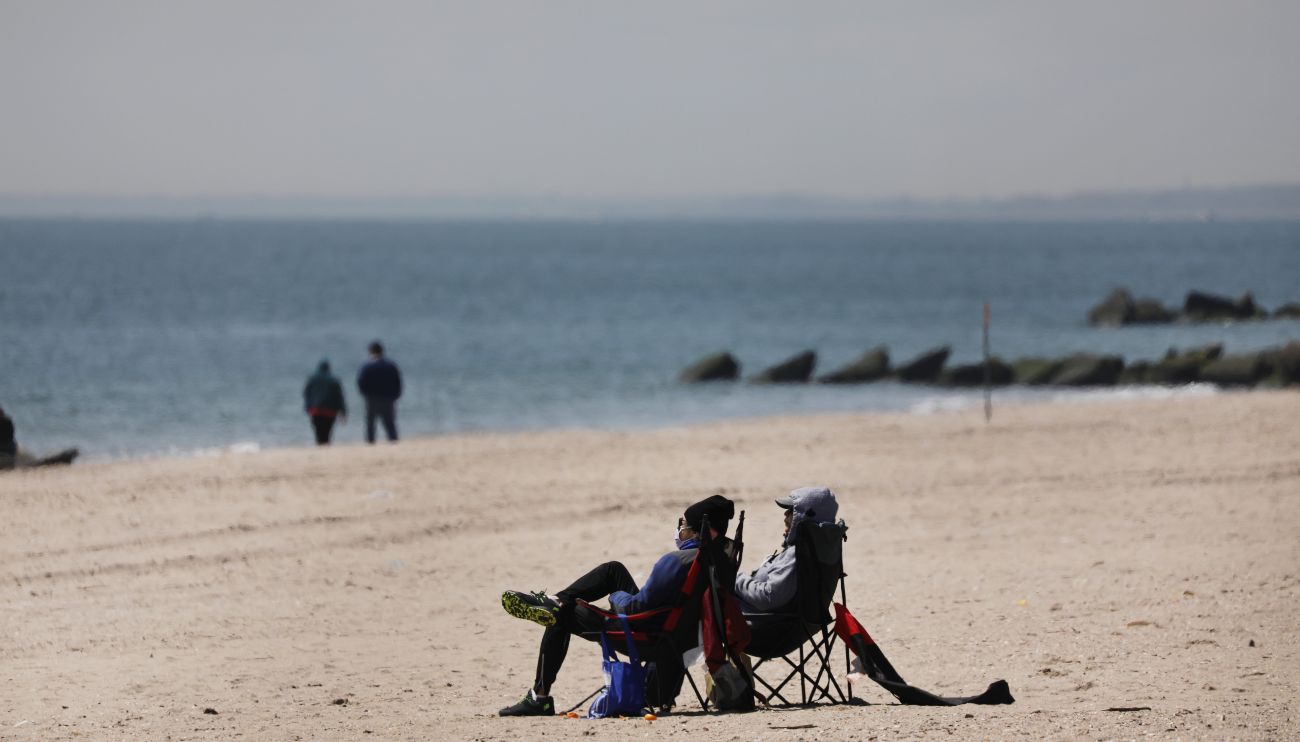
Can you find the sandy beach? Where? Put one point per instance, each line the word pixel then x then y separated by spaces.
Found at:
pixel 1121 554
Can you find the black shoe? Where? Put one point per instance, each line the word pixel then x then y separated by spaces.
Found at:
pixel 539 706
pixel 536 607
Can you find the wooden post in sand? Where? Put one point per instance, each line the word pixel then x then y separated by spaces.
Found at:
pixel 988 370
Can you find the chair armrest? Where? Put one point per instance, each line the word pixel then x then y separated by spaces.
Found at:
pixel 631 617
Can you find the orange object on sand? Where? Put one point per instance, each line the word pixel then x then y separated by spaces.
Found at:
pixel 650 717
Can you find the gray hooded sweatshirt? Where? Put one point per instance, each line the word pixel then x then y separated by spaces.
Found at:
pixel 773 585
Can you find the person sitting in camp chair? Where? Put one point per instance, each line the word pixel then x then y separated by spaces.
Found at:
pixel 785 604
pixel 564 616
pixel 772 587
pixel 774 583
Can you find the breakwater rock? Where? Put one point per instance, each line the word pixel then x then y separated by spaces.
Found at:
pixel 1121 308
pixel 794 370
pixel 1275 367
pixel 716 367
pixel 926 367
pixel 870 366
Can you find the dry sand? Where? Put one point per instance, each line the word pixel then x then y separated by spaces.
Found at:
pixel 1094 555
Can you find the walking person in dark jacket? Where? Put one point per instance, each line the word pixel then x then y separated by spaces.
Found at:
pixel 8 445
pixel 381 384
pixel 322 397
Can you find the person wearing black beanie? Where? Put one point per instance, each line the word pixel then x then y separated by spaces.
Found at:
pixel 718 509
pixel 564 617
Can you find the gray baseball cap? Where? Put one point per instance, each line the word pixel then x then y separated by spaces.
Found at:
pixel 815 503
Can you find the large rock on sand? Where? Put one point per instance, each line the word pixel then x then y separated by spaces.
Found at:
pixel 1138 372
pixel 1174 371
pixel 1288 363
pixel 870 366
pixel 1036 371
pixel 1201 354
pixel 1246 369
pixel 716 367
pixel 926 367
pixel 26 459
pixel 1181 368
pixel 972 374
pixel 795 369
pixel 1089 370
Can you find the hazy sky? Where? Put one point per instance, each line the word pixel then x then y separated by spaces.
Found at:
pixel 633 99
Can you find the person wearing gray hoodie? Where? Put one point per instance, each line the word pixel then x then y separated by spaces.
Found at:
pixel 772 586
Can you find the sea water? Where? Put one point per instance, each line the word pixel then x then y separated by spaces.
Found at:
pixel 152 337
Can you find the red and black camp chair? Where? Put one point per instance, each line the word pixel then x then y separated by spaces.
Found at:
pixel 798 639
pixel 663 634
pixel 805 628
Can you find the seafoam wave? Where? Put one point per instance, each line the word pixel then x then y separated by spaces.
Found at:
pixel 958 402
pixel 1136 392
pixel 238 448
pixel 932 405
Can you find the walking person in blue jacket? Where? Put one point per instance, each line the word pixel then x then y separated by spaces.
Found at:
pixel 380 383
pixel 563 617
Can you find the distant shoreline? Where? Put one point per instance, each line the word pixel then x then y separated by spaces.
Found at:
pixel 961 401
pixel 1265 202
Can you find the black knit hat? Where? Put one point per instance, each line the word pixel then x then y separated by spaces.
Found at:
pixel 718 508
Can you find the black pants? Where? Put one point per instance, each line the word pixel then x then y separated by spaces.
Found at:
pixel 609 577
pixel 323 425
pixel 386 411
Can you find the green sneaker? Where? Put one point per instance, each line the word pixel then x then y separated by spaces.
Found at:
pixel 536 607
pixel 539 706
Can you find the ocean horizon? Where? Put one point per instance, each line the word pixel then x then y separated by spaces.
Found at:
pixel 131 338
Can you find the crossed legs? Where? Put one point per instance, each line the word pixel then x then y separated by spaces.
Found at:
pixel 572 619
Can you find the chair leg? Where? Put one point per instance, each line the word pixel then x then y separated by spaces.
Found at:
pixel 813 687
pixel 848 669
pixel 788 678
pixel 823 649
pixel 775 691
pixel 771 692
pixel 848 661
pixel 704 702
pixel 803 690
pixel 681 664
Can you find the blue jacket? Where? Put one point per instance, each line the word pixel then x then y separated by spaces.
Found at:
pixel 663 584
pixel 380 378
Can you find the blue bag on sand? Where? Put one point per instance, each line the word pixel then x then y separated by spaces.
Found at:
pixel 624 693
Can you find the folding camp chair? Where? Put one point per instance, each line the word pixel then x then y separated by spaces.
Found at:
pixel 663 634
pixel 803 628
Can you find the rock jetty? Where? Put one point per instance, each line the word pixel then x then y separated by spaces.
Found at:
pixel 1273 367
pixel 1120 308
